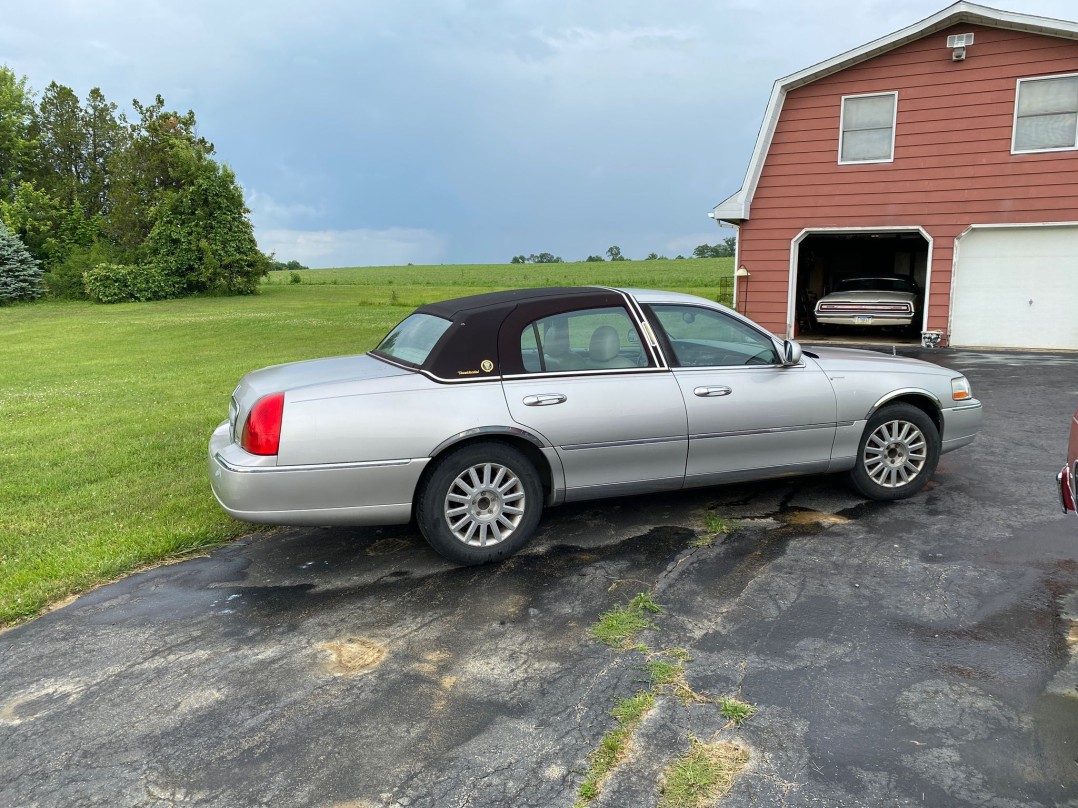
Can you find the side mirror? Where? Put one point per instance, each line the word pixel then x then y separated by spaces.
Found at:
pixel 791 352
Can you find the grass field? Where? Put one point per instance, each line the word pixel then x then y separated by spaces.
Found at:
pixel 106 410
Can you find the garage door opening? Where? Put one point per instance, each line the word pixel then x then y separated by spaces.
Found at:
pixel 873 273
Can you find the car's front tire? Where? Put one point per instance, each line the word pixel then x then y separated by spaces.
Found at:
pixel 480 503
pixel 897 454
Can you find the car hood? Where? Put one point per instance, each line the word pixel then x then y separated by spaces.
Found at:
pixel 853 359
pixel 294 375
pixel 869 296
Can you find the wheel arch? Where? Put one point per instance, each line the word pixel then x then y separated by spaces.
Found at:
pixel 916 397
pixel 529 444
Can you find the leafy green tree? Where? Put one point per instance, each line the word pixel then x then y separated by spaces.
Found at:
pixel 20 274
pixel 545 258
pixel 153 159
pixel 17 144
pixel 201 235
pixel 614 254
pixel 724 250
pixel 49 230
pixel 591 259
pixel 519 259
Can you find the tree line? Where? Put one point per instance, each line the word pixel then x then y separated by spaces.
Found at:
pixel 724 249
pixel 94 203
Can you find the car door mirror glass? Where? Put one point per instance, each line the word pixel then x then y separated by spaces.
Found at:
pixel 791 352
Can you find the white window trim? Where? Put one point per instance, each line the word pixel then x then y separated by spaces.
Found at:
pixel 1014 122
pixel 842 129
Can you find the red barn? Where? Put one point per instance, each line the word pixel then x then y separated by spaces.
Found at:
pixel 947 151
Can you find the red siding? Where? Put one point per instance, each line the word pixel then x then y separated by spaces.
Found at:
pixel 952 166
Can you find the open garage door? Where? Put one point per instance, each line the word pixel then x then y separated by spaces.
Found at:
pixel 1016 287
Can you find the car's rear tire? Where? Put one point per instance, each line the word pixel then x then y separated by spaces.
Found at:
pixel 897 453
pixel 480 503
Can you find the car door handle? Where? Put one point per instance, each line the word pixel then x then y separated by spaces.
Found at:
pixel 543 400
pixel 708 392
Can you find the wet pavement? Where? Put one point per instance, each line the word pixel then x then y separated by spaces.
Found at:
pixel 913 653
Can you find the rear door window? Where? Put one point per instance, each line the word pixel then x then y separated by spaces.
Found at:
pixel 584 340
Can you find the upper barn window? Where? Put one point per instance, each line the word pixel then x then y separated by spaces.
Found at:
pixel 867 128
pixel 1046 114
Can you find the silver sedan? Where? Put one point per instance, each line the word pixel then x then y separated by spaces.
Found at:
pixel 472 415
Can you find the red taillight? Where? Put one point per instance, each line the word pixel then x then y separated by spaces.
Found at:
pixel 262 430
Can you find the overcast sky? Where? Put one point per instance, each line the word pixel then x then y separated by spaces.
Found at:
pixel 374 132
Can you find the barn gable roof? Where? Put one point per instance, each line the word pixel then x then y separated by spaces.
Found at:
pixel 736 207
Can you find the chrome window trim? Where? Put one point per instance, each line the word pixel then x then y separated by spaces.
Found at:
pixel 569 373
pixel 312 467
pixel 644 325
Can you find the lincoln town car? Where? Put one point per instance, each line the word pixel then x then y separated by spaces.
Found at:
pixel 473 415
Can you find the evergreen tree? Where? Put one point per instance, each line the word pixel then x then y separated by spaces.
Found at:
pixel 20 274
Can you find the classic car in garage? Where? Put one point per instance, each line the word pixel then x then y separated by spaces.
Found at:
pixel 473 415
pixel 870 301
pixel 1067 479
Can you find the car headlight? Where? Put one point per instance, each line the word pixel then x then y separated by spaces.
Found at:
pixel 960 390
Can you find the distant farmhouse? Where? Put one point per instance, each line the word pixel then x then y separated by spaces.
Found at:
pixel 947 151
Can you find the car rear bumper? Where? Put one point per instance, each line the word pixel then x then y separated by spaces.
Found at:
pixel 254 489
pixel 961 425
pixel 877 318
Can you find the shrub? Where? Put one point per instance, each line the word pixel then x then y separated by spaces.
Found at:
pixel 295 278
pixel 118 283
pixel 20 274
pixel 64 280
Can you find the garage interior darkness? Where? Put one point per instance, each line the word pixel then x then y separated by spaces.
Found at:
pixel 826 258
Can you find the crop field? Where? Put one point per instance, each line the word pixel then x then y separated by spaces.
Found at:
pixel 106 410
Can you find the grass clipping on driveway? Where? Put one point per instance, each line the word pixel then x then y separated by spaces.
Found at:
pixel 706 773
pixel 106 410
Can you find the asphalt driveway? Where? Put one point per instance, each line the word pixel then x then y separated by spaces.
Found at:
pixel 914 653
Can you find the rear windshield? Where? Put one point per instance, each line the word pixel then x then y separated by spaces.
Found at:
pixel 414 338
pixel 875 285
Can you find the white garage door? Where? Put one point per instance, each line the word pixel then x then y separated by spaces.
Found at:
pixel 1016 288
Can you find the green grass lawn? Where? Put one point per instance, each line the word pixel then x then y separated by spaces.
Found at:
pixel 106 410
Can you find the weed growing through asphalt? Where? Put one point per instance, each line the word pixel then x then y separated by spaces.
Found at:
pixel 617 627
pixel 735 710
pixel 615 745
pixel 704 774
pixel 709 768
pixel 714 526
pixel 666 670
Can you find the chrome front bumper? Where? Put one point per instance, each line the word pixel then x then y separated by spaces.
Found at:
pixel 961 425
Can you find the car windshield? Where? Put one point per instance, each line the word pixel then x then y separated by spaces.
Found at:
pixel 414 338
pixel 875 285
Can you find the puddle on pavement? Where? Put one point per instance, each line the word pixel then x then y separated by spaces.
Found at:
pixel 353 656
pixel 805 516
